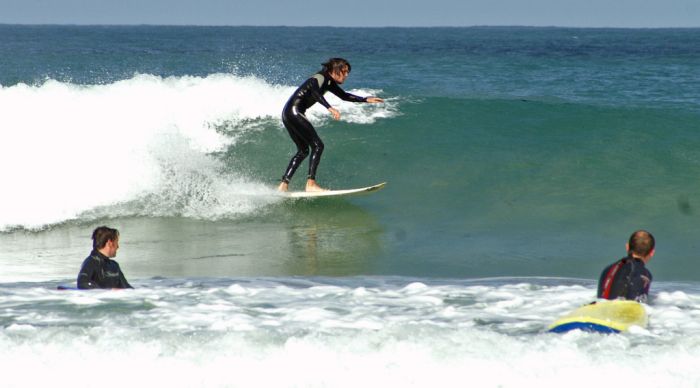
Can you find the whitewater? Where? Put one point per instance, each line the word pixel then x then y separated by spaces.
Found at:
pixel 142 146
pixel 338 332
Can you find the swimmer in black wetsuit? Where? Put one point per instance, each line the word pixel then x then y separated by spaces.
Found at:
pixel 98 270
pixel 628 278
pixel 334 72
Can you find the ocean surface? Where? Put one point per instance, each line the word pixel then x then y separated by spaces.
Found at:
pixel 518 161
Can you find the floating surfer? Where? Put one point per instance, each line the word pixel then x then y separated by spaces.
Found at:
pixel 333 73
pixel 624 283
pixel 98 269
pixel 628 278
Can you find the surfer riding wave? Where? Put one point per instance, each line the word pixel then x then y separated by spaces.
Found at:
pixel 333 73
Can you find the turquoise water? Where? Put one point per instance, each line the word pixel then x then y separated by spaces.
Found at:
pixel 508 151
pixel 518 161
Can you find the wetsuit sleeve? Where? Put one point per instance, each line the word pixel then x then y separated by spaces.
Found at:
pixel 316 91
pixel 601 280
pixel 639 281
pixel 647 284
pixel 343 95
pixel 122 280
pixel 87 273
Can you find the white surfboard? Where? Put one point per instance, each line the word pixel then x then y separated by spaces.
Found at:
pixel 335 193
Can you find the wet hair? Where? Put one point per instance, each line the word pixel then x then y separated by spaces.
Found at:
pixel 642 243
pixel 101 235
pixel 335 65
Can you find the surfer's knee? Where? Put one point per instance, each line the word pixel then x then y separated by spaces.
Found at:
pixel 317 147
pixel 302 153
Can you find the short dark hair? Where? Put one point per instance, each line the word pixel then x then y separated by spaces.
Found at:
pixel 642 243
pixel 101 235
pixel 336 65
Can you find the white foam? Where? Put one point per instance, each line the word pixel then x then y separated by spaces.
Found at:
pixel 271 335
pixel 66 149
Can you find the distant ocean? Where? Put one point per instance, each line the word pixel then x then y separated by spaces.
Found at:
pixel 518 162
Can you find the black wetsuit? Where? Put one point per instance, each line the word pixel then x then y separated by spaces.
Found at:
pixel 99 271
pixel 626 278
pixel 300 129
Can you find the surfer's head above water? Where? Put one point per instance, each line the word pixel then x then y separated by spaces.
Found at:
pixel 641 244
pixel 336 65
pixel 103 234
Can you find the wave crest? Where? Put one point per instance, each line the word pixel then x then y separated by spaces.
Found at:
pixel 140 146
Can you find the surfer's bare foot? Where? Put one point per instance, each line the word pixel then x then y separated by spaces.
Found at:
pixel 283 187
pixel 311 185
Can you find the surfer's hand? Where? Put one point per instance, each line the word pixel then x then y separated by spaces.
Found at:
pixel 335 113
pixel 374 99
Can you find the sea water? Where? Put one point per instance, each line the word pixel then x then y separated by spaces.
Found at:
pixel 518 161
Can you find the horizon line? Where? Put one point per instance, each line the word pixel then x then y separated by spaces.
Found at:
pixel 327 26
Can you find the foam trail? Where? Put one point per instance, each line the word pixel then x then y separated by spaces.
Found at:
pixel 67 149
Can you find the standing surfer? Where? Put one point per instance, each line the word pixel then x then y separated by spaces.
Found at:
pixel 333 73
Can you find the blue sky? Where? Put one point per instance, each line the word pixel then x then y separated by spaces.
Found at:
pixel 361 13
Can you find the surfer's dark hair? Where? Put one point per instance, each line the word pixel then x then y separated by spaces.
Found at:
pixel 101 235
pixel 336 65
pixel 642 243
